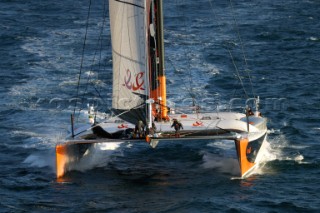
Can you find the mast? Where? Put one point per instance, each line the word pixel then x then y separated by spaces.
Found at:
pixel 157 77
pixel 162 77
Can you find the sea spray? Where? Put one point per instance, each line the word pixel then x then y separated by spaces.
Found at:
pixel 97 155
pixel 224 158
pixel 42 159
pixel 276 151
pixel 222 163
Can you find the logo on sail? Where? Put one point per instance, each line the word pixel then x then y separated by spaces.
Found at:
pixel 134 84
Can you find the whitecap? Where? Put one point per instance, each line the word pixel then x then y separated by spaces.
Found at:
pixel 313 38
pixel 90 73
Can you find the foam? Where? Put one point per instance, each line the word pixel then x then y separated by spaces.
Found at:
pixel 221 163
pixel 98 155
pixel 40 160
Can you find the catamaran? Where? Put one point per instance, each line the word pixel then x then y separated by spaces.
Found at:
pixel 139 98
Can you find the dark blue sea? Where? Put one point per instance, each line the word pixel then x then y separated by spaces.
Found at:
pixel 211 47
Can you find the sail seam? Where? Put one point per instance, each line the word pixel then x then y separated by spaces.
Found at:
pixel 125 57
pixel 124 2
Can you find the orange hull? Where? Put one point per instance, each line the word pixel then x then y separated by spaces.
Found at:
pixel 245 165
pixel 61 160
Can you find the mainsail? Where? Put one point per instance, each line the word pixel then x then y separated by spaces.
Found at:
pixel 130 76
pixel 138 58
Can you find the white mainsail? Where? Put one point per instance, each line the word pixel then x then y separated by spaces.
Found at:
pixel 129 40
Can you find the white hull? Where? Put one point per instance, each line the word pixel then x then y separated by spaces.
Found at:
pixel 229 121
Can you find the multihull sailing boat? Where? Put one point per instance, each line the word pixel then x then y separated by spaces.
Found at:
pixel 139 97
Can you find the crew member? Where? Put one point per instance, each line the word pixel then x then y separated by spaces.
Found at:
pixel 250 112
pixel 139 129
pixel 177 126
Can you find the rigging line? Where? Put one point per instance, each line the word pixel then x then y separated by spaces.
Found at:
pixel 117 115
pixel 176 70
pixel 229 50
pixel 242 47
pixel 189 65
pixel 218 22
pixel 215 16
pixel 101 47
pixel 91 127
pixel 95 54
pixel 101 33
pixel 190 89
pixel 82 57
pixel 104 15
pixel 238 75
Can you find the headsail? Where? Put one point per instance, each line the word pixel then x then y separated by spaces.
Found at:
pixel 129 40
